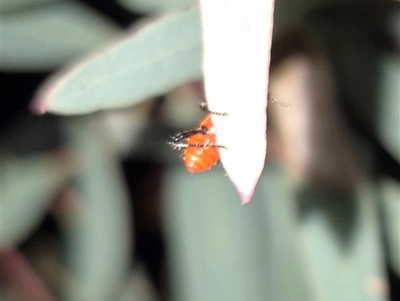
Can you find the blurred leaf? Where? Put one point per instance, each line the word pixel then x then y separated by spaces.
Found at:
pixel 389 107
pixel 139 286
pixel 155 6
pixel 391 212
pixel 98 236
pixel 311 246
pixel 28 186
pixel 221 250
pixel 340 245
pixel 44 37
pixel 12 5
pixel 148 62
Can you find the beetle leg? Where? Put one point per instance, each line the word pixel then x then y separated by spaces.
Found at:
pixel 204 107
pixel 187 134
pixel 180 145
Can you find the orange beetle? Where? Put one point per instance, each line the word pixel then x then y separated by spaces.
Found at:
pixel 200 146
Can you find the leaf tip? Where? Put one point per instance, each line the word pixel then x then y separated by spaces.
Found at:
pixel 245 189
pixel 246 196
pixel 38 106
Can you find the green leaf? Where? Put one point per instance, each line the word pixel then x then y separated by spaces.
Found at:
pixel 97 235
pixel 388 119
pixel 155 6
pixel 221 250
pixel 139 286
pixel 146 63
pixel 12 5
pixel 286 244
pixel 28 185
pixel 46 36
pixel 390 205
pixel 340 245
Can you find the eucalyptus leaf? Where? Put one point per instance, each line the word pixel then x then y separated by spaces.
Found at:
pixel 214 243
pixel 97 235
pixel 390 205
pixel 28 185
pixel 289 243
pixel 237 40
pixel 147 62
pixel 221 250
pixel 340 245
pixel 139 286
pixel 155 6
pixel 388 120
pixel 44 37
pixel 12 5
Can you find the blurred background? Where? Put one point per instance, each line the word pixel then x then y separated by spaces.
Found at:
pixel 98 207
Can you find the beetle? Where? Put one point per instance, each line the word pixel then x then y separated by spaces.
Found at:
pixel 200 147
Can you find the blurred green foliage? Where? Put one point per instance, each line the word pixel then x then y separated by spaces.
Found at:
pixel 46 35
pixel 292 242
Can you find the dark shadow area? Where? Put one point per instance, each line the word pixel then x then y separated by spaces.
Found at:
pixel 144 180
pixel 112 10
pixel 338 208
pixel 354 36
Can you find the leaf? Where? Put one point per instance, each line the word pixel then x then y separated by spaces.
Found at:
pixel 340 244
pixel 218 249
pixel 97 235
pixel 139 286
pixel 287 244
pixel 44 37
pixel 28 185
pixel 145 63
pixel 237 40
pixel 388 119
pixel 155 6
pixel 390 205
pixel 12 5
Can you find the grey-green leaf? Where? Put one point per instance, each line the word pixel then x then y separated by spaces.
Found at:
pixel 97 235
pixel 388 119
pixel 145 63
pixel 28 185
pixel 287 244
pixel 155 6
pixel 44 37
pixel 390 205
pixel 13 5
